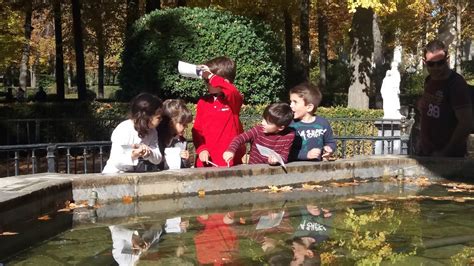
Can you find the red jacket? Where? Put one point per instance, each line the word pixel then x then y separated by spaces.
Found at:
pixel 217 123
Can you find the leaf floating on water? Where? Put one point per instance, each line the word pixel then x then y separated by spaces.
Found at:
pixel 242 220
pixel 44 218
pixel 127 199
pixel 8 233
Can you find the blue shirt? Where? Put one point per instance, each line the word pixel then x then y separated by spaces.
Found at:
pixel 316 134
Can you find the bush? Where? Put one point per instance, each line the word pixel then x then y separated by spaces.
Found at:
pixel 159 39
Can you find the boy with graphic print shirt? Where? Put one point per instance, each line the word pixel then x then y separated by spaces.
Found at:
pixel 314 138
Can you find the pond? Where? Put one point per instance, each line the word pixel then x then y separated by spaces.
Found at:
pixel 414 222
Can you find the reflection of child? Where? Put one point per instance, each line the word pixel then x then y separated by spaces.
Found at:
pixel 217 114
pixel 128 245
pixel 138 133
pixel 314 137
pixel 273 133
pixel 176 117
pixel 217 242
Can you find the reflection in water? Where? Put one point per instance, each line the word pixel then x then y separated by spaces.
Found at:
pixel 371 229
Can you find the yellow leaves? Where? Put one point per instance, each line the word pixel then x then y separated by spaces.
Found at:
pixel 379 6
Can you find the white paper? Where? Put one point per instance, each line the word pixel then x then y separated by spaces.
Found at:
pixel 173 158
pixel 267 152
pixel 269 221
pixel 188 70
pixel 172 225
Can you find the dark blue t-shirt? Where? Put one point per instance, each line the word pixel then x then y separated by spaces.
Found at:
pixel 316 134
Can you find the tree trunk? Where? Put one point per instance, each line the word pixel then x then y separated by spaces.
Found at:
pixel 28 8
pixel 69 76
pixel 362 47
pixel 58 38
pixel 379 71
pixel 99 28
pixel 288 49
pixel 458 37
pixel 79 49
pixel 322 45
pixel 180 3
pixel 304 37
pixel 152 5
pixel 132 13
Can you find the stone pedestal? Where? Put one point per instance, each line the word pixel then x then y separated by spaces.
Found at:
pixel 388 129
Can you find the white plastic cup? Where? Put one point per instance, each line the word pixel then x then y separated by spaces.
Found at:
pixel 173 158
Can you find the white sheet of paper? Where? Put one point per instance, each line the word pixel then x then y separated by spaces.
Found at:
pixel 188 70
pixel 267 221
pixel 172 225
pixel 267 152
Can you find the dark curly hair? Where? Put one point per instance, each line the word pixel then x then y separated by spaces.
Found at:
pixel 142 108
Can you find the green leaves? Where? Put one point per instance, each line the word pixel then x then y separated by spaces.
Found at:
pixel 196 35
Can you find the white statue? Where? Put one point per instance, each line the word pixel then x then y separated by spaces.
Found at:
pixel 390 93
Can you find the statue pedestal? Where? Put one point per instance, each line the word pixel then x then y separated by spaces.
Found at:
pixel 388 128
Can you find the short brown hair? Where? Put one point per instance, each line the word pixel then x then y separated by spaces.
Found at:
pixel 223 66
pixel 309 92
pixel 433 46
pixel 279 114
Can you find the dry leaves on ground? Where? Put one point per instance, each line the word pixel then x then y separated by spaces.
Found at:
pixel 273 189
pixel 70 205
pixel 459 187
pixel 44 218
pixel 307 186
pixel 127 199
pixel 8 233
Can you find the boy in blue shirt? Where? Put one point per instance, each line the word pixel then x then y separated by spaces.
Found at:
pixel 314 140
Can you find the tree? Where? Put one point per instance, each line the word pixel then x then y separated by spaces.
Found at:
pixel 152 5
pixel 79 49
pixel 58 37
pixel 361 58
pixel 304 36
pixel 28 9
pixel 322 42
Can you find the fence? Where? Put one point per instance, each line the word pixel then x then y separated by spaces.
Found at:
pixel 353 136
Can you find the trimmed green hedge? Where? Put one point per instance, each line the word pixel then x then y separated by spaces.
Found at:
pixel 161 38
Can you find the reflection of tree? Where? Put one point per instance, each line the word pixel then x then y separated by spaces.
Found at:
pixel 368 238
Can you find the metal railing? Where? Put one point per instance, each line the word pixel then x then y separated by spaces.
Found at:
pixel 70 158
pixel 353 136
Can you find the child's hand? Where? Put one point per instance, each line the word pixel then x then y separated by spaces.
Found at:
pixel 204 156
pixel 184 226
pixel 227 156
pixel 272 160
pixel 326 213
pixel 184 154
pixel 314 153
pixel 327 152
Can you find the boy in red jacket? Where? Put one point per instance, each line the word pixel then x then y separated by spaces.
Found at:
pixel 217 114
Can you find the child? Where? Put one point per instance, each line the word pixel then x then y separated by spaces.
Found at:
pixel 314 138
pixel 176 117
pixel 217 115
pixel 273 133
pixel 136 137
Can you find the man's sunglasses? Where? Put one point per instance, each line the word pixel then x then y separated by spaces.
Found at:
pixel 436 63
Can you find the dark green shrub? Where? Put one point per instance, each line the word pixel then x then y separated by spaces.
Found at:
pixel 195 35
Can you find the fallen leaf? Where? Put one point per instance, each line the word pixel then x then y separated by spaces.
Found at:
pixel 44 218
pixel 8 233
pixel 242 220
pixel 310 187
pixel 127 199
